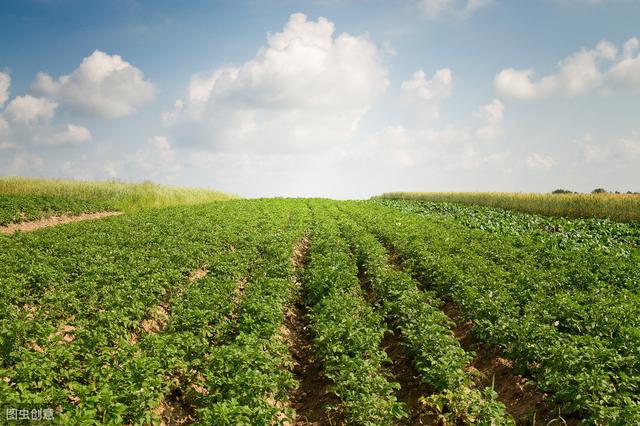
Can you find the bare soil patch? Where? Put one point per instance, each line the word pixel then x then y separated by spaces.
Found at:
pixel 411 387
pixel 53 221
pixel 519 395
pixel 175 411
pixel 402 367
pixel 197 274
pixel 312 396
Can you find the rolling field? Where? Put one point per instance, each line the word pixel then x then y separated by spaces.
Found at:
pixel 308 311
pixel 24 199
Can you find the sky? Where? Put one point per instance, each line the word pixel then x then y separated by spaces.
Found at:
pixel 330 98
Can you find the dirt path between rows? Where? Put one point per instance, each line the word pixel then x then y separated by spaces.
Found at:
pixel 173 409
pixel 519 395
pixel 53 221
pixel 312 395
pixel 402 367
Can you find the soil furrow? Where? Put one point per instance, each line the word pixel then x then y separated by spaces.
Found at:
pixel 53 221
pixel 312 396
pixel 402 369
pixel 519 395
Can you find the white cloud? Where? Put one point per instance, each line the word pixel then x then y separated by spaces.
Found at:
pixel 594 152
pixel 306 89
pixel 456 8
pixel 492 115
pixel 72 135
pixel 156 159
pixel 445 148
pixel 103 85
pixel 577 74
pixel 31 110
pixel 23 163
pixel 537 161
pixel 5 82
pixel 630 146
pixel 622 150
pixel 394 146
pixel 428 93
pixel 627 71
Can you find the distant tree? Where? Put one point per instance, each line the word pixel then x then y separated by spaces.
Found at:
pixel 561 191
pixel 599 191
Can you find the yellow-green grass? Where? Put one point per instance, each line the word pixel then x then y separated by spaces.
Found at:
pixel 617 207
pixel 119 195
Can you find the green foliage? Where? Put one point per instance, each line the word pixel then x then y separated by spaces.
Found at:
pixel 34 198
pixel 102 321
pixel 97 282
pixel 566 314
pixel 615 207
pixel 348 332
pixel 19 208
pixel 426 330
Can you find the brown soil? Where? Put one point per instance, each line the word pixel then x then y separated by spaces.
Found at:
pixel 312 396
pixel 175 411
pixel 157 320
pixel 519 395
pixel 411 387
pixel 52 221
pixel 197 274
pixel 402 368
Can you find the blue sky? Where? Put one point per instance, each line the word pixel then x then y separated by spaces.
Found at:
pixel 330 98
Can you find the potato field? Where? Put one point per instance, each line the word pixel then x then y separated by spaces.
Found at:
pixel 320 312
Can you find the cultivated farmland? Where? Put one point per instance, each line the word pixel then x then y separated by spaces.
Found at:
pixel 307 311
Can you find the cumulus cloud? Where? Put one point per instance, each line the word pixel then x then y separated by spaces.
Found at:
pixel 156 159
pixel 579 73
pixel 25 162
pixel 5 82
pixel 537 161
pixel 31 110
pixel 630 147
pixel 426 93
pixel 457 8
pixel 444 148
pixel 103 85
pixel 71 135
pixel 625 149
pixel 306 89
pixel 492 115
pixel 394 146
pixel 626 72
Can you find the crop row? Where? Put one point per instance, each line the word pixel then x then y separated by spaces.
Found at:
pixel 618 207
pixel 599 235
pixel 76 297
pixel 426 330
pixel 245 378
pixel 19 208
pixel 348 332
pixel 572 328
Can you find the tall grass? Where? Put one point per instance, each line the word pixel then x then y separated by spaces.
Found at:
pixel 617 207
pixel 122 196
